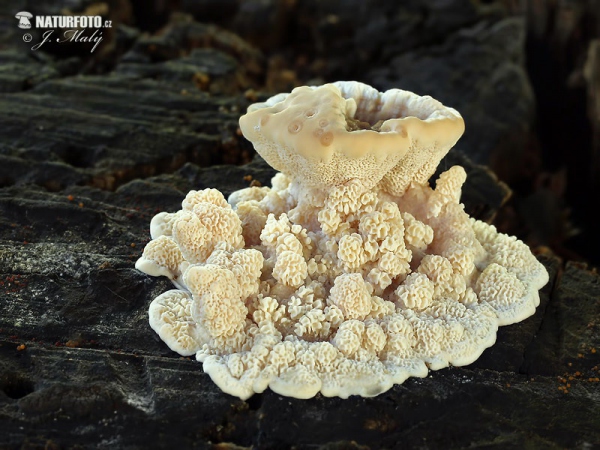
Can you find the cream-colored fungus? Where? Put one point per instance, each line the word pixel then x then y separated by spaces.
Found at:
pixel 350 274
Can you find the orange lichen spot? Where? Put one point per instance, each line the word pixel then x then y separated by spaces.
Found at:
pixel 593 350
pixel 81 204
pixel 201 80
pixel 21 347
pixel 250 94
pixel 70 198
pixel 132 245
pixel 247 177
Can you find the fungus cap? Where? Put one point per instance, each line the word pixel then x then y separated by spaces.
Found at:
pixel 312 134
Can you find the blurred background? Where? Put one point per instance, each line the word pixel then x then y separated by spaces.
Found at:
pixel 525 75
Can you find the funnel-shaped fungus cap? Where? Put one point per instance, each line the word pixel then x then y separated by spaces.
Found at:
pixel 330 134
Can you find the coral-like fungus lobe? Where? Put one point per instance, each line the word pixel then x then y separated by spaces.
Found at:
pixel 350 274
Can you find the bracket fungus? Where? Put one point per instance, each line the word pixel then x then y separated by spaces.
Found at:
pixel 350 274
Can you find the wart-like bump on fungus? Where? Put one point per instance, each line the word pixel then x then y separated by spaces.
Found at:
pixel 350 274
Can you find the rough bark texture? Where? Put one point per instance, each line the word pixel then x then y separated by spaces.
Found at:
pixel 93 145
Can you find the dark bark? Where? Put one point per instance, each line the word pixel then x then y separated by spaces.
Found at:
pixel 92 146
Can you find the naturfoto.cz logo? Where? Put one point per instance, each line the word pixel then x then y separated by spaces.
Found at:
pixel 74 26
pixel 24 22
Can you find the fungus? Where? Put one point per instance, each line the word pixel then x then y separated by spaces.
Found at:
pixel 350 274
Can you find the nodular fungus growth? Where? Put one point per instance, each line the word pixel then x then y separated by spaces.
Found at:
pixel 350 274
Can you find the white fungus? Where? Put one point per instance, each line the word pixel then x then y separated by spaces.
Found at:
pixel 350 274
